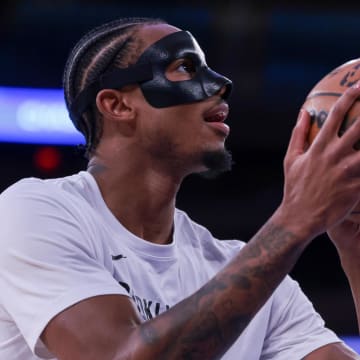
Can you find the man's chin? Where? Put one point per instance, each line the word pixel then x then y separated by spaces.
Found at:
pixel 216 162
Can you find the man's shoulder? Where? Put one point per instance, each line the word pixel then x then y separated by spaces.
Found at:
pixel 42 194
pixel 31 187
pixel 33 209
pixel 26 190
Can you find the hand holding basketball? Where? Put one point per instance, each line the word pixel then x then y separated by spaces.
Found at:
pixel 323 96
pixel 322 183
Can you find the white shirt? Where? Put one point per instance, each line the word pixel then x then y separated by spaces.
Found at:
pixel 60 244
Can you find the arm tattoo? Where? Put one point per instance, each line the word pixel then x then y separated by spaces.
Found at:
pixel 206 324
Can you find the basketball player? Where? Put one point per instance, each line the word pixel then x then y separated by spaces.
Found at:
pixel 101 265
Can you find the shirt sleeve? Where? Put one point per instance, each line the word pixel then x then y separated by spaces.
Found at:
pixel 295 329
pixel 48 261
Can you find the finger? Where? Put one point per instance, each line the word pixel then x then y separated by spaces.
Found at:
pixel 351 165
pixel 298 140
pixel 352 134
pixel 337 113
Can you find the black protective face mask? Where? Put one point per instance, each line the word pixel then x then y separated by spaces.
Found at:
pixel 149 73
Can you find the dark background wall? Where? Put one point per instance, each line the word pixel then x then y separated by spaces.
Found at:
pixel 274 52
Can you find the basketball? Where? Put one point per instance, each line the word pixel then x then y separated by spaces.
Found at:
pixel 323 95
pixel 320 99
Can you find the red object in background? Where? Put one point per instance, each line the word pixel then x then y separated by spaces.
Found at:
pixel 47 159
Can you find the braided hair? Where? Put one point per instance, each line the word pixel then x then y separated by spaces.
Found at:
pixel 104 48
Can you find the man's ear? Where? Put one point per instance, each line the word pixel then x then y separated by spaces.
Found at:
pixel 114 104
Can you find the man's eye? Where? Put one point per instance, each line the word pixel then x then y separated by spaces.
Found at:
pixel 187 66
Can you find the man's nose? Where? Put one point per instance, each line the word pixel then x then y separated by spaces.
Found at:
pixel 225 91
pixel 222 90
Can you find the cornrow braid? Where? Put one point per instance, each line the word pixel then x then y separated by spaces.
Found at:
pixel 106 47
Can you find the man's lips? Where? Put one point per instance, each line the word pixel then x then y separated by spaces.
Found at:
pixel 216 116
pixel 217 113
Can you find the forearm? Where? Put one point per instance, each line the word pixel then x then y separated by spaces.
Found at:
pixel 208 322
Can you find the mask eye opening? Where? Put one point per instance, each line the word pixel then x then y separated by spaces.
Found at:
pixel 182 69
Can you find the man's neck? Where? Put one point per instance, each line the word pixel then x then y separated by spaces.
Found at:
pixel 141 199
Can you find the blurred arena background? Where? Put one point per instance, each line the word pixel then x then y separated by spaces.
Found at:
pixel 274 52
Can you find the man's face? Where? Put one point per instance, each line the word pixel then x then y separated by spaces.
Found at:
pixel 177 47
pixel 182 136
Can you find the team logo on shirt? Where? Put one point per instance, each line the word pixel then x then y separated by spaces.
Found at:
pixel 148 309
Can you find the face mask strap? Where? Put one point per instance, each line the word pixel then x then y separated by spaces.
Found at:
pixel 114 79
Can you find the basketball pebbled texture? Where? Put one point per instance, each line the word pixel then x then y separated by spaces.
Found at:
pixel 323 95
